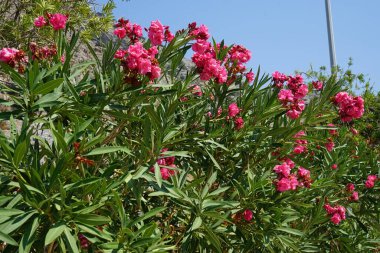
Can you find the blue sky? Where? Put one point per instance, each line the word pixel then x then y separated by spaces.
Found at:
pixel 284 35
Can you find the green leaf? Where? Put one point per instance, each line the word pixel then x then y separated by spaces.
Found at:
pixel 44 88
pixel 291 231
pixel 213 239
pixel 20 152
pixel 54 232
pixel 92 219
pixel 147 215
pixel 5 212
pixel 106 150
pixel 176 153
pixel 197 223
pixel 29 236
pixel 47 100
pixel 6 238
pixel 71 240
pixel 16 222
pixel 157 174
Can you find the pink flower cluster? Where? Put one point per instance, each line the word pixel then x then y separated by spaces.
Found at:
pixel 42 53
pixel 233 111
pixel 124 28
pixel 13 57
pixel 166 164
pixel 350 107
pixel 354 194
pixel 250 76
pixel 332 131
pixel 247 215
pixel 287 181
pixel 137 60
pixel 292 98
pixel 301 145
pixel 318 85
pixel 279 79
pixel 84 242
pixel 196 90
pixel 239 54
pixel 205 57
pixel 224 70
pixel 158 33
pixel 329 144
pixel 337 213
pixel 57 21
pixel 370 182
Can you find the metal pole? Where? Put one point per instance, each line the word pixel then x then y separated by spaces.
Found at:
pixel 331 35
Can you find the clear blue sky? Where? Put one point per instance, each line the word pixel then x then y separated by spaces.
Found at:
pixel 284 35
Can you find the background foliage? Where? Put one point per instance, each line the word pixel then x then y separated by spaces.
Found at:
pixel 95 184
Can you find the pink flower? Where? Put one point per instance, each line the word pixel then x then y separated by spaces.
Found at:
pixel 144 65
pixel 289 162
pixel 301 91
pixel 136 50
pixel 338 213
pixel 294 82
pixel 155 72
pixel 336 219
pixel 370 182
pixel 350 187
pixel 354 131
pixel 283 184
pixel 299 105
pixel 136 31
pixel 342 212
pixel 329 146
pixel 248 215
pixel 239 54
pixel 282 170
pixel 156 33
pixel 342 97
pixel 8 54
pixel 196 90
pixel 349 107
pixel 329 209
pixel 293 182
pixel 293 114
pixel 250 76
pixel 120 54
pixel 58 21
pixel 354 196
pixel 302 172
pixel 317 85
pixel 233 110
pixel 201 46
pixel 168 35
pixel 300 134
pixel 332 131
pixel 120 32
pixel 200 33
pixel 334 166
pixel 40 21
pixel 285 96
pixel 62 59
pixel 153 51
pixel 279 79
pixel 299 149
pixel 239 123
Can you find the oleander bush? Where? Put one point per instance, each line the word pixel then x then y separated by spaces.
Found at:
pixel 124 154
